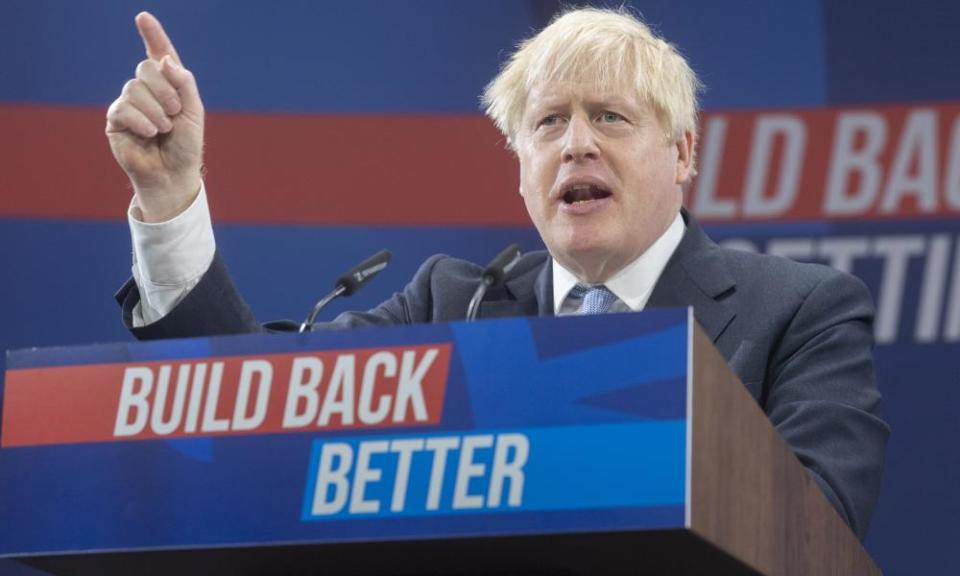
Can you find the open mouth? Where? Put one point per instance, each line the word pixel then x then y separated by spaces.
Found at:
pixel 585 193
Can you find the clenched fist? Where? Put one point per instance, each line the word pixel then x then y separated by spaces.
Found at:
pixel 155 128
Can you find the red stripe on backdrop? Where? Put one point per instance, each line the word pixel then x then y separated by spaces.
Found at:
pixel 174 399
pixel 276 169
pixel 883 162
pixel 55 162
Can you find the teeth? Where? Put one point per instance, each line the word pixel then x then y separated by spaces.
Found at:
pixel 579 193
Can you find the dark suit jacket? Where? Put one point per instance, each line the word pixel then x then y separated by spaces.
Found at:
pixel 799 336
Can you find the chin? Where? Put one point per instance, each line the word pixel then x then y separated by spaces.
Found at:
pixel 589 242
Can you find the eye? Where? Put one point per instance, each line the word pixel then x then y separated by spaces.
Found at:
pixel 611 117
pixel 551 120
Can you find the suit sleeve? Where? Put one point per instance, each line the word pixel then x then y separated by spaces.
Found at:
pixel 824 399
pixel 214 307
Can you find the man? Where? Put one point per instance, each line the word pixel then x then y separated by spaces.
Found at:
pixel 601 114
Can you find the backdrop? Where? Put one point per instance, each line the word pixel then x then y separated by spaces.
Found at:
pixel 831 133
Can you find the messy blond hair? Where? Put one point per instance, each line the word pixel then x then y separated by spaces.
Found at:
pixel 603 46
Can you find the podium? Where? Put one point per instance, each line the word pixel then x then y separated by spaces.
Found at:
pixel 615 444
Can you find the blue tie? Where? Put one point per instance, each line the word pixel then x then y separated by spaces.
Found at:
pixel 593 300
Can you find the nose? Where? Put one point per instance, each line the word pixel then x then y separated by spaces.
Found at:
pixel 580 141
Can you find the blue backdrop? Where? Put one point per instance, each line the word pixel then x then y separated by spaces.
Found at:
pixel 64 246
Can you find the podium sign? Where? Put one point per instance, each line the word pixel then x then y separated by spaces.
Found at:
pixel 486 429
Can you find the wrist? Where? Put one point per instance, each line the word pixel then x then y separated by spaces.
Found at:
pixel 156 205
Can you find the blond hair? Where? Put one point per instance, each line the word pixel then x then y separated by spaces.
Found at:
pixel 603 46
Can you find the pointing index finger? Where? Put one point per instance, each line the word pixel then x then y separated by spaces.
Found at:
pixel 155 40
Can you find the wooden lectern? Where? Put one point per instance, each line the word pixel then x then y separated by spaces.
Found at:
pixel 620 444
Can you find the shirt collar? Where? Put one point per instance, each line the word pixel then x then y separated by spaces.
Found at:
pixel 634 284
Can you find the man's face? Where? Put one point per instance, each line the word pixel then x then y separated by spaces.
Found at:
pixel 600 178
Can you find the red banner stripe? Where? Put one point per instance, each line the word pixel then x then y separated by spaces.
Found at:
pixel 880 162
pixel 276 169
pixel 364 388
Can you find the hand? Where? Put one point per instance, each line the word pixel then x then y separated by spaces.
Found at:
pixel 155 128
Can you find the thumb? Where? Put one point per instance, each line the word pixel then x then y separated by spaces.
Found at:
pixel 185 84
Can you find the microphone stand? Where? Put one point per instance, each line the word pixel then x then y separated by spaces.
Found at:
pixel 493 275
pixel 312 317
pixel 348 283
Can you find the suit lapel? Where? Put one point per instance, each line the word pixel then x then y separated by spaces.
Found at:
pixel 501 309
pixel 531 293
pixel 695 276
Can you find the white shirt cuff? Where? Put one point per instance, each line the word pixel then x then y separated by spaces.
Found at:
pixel 169 258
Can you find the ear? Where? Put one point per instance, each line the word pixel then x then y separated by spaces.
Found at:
pixel 685 151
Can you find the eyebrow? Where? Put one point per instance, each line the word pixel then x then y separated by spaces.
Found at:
pixel 551 102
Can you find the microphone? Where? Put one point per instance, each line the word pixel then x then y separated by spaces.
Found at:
pixel 349 282
pixel 493 276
